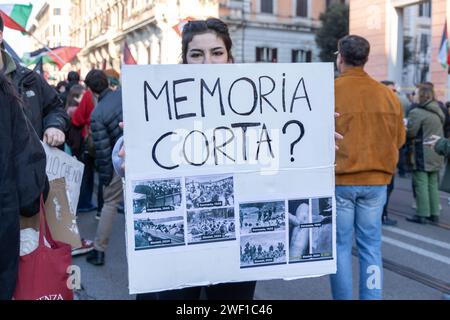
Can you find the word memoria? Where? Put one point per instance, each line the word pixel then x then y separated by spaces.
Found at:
pixel 264 93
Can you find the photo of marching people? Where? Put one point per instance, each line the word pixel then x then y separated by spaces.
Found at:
pixel 209 191
pixel 262 217
pixel 299 229
pixel 321 236
pixel 208 225
pixel 263 249
pixel 156 195
pixel 157 233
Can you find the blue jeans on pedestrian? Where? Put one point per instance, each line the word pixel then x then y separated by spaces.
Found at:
pixel 359 208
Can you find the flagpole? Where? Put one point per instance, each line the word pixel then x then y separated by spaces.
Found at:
pixel 47 48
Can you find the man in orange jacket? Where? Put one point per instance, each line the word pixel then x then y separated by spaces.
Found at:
pixel 371 120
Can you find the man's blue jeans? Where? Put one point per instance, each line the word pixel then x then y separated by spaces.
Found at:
pixel 359 207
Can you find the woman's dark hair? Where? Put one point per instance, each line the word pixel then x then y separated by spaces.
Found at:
pixel 75 92
pixel 195 27
pixel 73 76
pixel 354 49
pixel 97 81
pixel 61 84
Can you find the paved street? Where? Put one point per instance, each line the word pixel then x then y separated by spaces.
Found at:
pixel 422 248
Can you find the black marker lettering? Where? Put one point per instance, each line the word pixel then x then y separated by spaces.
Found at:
pixel 305 95
pixel 268 140
pixel 148 88
pixel 206 145
pixel 255 96
pixel 181 99
pixel 244 127
pixel 154 152
pixel 203 85
pixel 263 95
pixel 218 148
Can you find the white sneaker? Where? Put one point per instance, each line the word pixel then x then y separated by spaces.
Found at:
pixel 86 246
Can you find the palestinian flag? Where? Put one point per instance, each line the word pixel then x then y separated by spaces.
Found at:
pixel 444 57
pixel 15 16
pixel 180 25
pixel 127 56
pixel 58 56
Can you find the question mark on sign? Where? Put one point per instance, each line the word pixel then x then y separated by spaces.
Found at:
pixel 302 133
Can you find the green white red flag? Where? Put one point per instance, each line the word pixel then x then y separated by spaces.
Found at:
pixel 15 16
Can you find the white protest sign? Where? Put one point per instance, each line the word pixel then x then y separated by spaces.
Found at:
pixel 229 173
pixel 61 165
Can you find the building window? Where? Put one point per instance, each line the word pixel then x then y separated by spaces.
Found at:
pixel 57 11
pixel 264 54
pixel 267 6
pixel 302 8
pixel 425 9
pixel 301 56
pixel 424 43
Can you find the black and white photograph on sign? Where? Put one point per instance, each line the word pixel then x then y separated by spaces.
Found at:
pixel 156 233
pixel 299 229
pixel 209 191
pixel 263 249
pixel 321 234
pixel 262 217
pixel 156 195
pixel 207 225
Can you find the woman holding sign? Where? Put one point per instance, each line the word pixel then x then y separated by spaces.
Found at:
pixel 203 42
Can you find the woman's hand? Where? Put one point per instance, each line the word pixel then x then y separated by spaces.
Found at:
pixel 431 141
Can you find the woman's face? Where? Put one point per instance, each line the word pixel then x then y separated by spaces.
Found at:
pixel 206 48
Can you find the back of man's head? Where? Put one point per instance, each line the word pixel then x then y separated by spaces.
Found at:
pixel 73 76
pixel 97 81
pixel 425 92
pixel 354 50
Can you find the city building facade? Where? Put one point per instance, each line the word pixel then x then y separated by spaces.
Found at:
pixel 262 30
pixel 382 23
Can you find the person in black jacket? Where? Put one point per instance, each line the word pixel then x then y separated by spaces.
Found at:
pixel 22 180
pixel 41 102
pixel 105 132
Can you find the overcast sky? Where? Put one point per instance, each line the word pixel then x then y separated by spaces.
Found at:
pixel 19 42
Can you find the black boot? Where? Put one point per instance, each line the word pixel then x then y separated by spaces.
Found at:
pixel 434 219
pixel 95 257
pixel 417 219
pixel 389 222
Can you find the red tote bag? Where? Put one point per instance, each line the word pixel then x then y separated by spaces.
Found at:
pixel 43 273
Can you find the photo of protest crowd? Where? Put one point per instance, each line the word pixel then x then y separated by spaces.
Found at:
pixel 262 216
pixel 156 195
pixel 263 249
pixel 155 233
pixel 209 191
pixel 211 225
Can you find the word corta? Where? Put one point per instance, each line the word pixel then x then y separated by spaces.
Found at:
pixel 262 95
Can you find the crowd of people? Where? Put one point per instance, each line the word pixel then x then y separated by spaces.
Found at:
pixel 147 231
pixel 208 192
pixel 159 193
pixel 265 217
pixel 84 120
pixel 212 227
pixel 252 253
